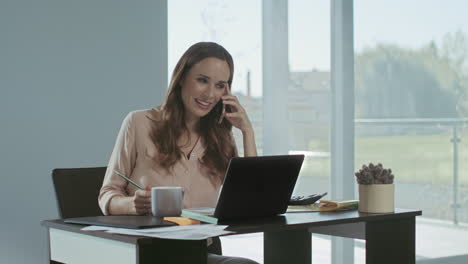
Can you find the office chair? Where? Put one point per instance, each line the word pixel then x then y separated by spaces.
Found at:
pixel 77 190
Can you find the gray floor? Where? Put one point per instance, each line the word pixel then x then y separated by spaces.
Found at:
pixel 437 242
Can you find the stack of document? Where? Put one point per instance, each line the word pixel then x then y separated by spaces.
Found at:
pixel 187 232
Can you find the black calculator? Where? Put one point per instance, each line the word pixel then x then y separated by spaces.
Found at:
pixel 305 200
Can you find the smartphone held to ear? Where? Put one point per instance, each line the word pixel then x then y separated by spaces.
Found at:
pixel 222 114
pixel 223 111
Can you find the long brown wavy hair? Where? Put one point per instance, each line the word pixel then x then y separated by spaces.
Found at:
pixel 217 138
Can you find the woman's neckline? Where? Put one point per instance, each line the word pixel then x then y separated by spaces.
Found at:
pixel 189 153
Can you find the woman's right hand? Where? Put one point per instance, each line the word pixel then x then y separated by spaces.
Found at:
pixel 141 202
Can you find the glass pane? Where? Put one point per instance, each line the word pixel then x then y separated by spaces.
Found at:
pixel 309 102
pixel 236 25
pixel 224 22
pixel 411 106
pixel 309 92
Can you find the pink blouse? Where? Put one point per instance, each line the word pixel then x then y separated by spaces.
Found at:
pixel 133 156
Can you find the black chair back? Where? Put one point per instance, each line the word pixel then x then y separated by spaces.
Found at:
pixel 77 191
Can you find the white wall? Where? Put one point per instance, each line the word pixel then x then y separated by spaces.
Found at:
pixel 69 72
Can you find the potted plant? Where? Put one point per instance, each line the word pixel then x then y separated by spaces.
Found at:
pixel 376 189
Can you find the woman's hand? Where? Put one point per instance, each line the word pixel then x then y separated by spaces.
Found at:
pixel 239 119
pixel 238 116
pixel 140 202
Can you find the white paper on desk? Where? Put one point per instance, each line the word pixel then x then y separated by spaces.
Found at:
pixel 96 228
pixel 189 232
pixel 145 230
pixel 181 228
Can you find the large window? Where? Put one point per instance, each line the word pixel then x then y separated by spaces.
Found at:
pixel 411 107
pixel 411 101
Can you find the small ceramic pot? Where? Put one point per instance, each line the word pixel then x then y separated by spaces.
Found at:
pixel 376 198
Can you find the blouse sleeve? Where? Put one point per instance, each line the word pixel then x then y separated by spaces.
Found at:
pixel 122 160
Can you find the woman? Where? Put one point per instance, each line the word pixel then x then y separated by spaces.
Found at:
pixel 185 142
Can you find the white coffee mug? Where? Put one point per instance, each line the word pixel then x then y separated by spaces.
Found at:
pixel 166 201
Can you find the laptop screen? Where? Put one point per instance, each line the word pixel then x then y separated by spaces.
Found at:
pixel 258 186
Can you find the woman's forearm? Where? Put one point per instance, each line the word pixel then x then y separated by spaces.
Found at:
pixel 250 148
pixel 120 205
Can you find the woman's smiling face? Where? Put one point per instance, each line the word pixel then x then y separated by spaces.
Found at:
pixel 203 87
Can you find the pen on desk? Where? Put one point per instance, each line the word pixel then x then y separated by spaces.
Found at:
pixel 127 179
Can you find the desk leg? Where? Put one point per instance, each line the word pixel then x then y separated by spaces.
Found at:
pixel 293 246
pixel 172 251
pixel 391 241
